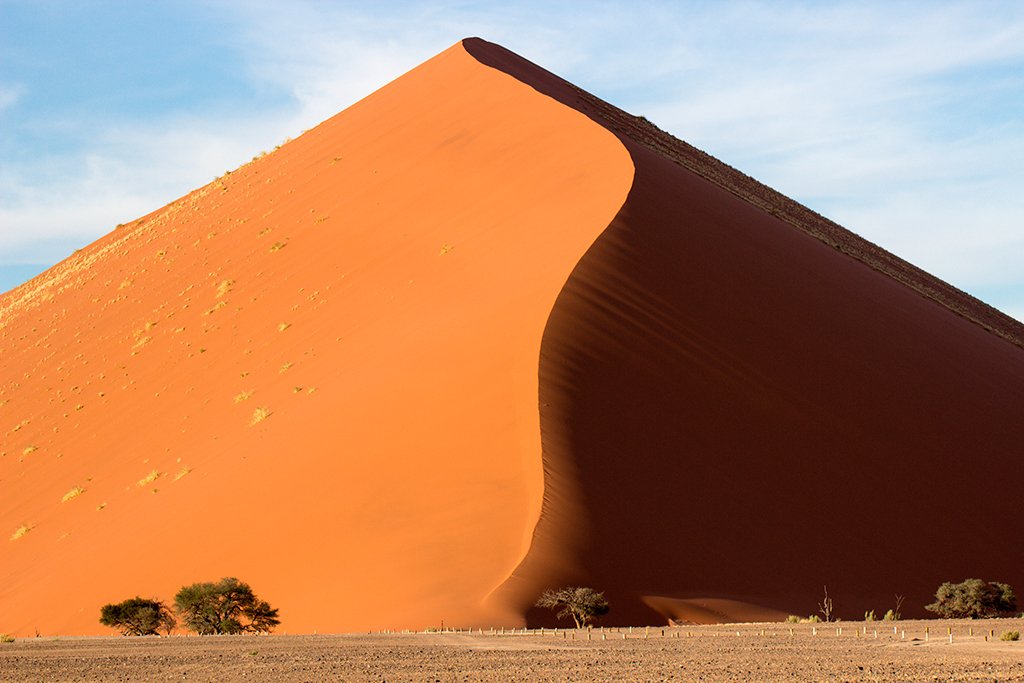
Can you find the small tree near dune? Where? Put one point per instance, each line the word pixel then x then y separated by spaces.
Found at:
pixel 228 606
pixel 826 606
pixel 895 614
pixel 581 603
pixel 973 599
pixel 138 617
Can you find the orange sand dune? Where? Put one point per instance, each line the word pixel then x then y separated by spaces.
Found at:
pixel 483 334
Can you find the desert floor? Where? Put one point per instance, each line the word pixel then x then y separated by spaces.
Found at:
pixel 746 652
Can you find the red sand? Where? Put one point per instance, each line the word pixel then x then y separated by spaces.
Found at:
pixel 732 411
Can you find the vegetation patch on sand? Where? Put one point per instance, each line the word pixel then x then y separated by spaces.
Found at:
pixel 150 478
pixel 72 494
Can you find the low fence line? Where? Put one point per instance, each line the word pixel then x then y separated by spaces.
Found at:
pixel 900 633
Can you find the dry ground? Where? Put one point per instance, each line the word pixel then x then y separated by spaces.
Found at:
pixel 706 653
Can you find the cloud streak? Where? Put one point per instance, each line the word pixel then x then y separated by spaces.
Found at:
pixel 52 205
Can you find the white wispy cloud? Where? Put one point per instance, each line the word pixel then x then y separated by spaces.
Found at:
pixel 51 205
pixel 328 56
pixel 9 94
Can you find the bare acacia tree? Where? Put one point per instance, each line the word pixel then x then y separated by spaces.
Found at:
pixel 581 603
pixel 825 606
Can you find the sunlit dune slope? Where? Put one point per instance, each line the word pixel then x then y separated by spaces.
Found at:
pixel 317 373
pixel 741 403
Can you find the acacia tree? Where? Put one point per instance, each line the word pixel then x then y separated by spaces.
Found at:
pixel 581 603
pixel 228 606
pixel 138 617
pixel 972 599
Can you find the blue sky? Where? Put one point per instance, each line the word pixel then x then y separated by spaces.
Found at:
pixel 903 121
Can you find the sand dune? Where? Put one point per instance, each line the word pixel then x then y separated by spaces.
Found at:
pixel 482 334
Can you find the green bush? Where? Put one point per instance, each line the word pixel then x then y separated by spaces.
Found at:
pixel 1010 635
pixel 972 599
pixel 4 638
pixel 869 615
pixel 814 619
pixel 138 617
pixel 890 616
pixel 228 606
pixel 792 619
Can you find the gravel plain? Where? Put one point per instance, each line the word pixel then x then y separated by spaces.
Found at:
pixel 747 652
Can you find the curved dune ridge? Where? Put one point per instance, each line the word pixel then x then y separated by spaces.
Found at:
pixel 318 373
pixel 482 334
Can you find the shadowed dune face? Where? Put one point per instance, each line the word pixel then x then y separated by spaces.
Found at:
pixel 318 374
pixel 752 415
pixel 735 414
